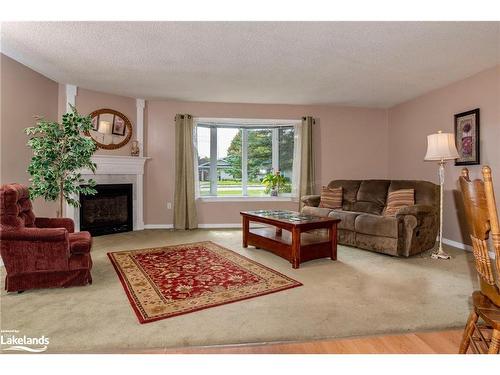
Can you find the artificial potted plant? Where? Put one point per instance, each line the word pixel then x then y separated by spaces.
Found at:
pixel 60 151
pixel 275 183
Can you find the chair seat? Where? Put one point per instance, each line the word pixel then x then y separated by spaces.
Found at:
pixel 80 243
pixel 489 312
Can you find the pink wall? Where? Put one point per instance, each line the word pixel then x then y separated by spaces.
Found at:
pixel 24 94
pixel 88 101
pixel 349 143
pixel 412 121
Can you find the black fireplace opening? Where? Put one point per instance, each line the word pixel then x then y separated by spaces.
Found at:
pixel 108 211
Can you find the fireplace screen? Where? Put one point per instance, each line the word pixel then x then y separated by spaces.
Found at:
pixel 108 211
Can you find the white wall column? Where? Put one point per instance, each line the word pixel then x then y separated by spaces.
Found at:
pixel 139 222
pixel 140 103
pixel 71 92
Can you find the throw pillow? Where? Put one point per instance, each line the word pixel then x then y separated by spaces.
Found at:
pixel 398 199
pixel 331 198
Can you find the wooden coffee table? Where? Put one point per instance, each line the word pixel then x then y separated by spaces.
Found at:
pixel 288 235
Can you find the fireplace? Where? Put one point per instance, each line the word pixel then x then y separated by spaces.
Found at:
pixel 108 211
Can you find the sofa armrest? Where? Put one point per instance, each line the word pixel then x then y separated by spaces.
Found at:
pixel 415 210
pixel 311 200
pixel 63 222
pixel 34 249
pixel 418 228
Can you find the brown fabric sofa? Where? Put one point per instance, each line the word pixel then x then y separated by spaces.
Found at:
pixel 412 231
pixel 40 252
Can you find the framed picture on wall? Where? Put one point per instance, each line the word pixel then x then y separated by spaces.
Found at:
pixel 467 137
pixel 118 126
pixel 95 123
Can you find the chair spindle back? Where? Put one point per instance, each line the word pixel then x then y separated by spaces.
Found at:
pixel 482 217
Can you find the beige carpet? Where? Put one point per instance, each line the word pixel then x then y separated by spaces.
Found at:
pixel 363 293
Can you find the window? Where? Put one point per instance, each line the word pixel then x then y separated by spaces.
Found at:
pixel 234 156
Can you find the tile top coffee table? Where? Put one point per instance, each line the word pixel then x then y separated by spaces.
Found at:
pixel 294 243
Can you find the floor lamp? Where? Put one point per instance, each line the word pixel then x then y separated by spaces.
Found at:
pixel 441 147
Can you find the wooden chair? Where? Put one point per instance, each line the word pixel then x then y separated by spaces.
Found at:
pixel 482 216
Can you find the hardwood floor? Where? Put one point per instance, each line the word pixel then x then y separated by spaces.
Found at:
pixel 439 342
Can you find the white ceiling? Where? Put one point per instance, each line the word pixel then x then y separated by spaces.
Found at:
pixel 376 64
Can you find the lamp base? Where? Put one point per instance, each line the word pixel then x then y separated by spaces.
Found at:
pixel 440 254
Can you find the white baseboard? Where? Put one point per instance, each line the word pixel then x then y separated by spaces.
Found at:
pixel 463 246
pixel 158 226
pixel 456 244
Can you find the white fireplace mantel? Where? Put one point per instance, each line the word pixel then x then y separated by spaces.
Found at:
pixel 113 164
pixel 117 169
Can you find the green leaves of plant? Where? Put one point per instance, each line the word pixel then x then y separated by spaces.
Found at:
pixel 60 151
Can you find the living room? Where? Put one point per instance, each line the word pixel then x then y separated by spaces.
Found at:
pixel 250 187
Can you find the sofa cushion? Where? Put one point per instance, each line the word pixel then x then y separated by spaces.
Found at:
pixel 80 243
pixel 426 193
pixel 316 211
pixel 371 197
pixel 349 191
pixel 331 198
pixel 347 218
pixel 376 225
pixel 398 199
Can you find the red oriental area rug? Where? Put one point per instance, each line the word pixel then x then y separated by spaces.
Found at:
pixel 174 280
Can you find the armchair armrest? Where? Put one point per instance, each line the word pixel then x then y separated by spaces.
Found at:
pixel 34 249
pixel 311 200
pixel 62 222
pixel 35 235
pixel 416 210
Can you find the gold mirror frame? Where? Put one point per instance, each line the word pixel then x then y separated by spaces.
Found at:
pixel 128 127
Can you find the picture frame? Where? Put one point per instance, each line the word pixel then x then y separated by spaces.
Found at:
pixel 118 126
pixel 95 123
pixel 467 137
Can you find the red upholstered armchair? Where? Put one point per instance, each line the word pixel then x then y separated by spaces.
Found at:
pixel 40 252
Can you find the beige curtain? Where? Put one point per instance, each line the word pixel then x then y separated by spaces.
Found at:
pixel 184 199
pixel 306 158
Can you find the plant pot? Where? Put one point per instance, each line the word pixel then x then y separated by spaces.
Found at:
pixel 274 192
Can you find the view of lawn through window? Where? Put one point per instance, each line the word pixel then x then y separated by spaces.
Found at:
pixel 233 159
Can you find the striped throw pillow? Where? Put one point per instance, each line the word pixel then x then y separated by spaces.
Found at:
pixel 398 199
pixel 331 198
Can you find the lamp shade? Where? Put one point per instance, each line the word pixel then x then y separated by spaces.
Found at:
pixel 104 127
pixel 441 146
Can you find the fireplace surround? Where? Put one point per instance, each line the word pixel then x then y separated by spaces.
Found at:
pixel 114 169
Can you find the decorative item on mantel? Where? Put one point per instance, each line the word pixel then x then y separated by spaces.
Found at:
pixel 134 150
pixel 441 147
